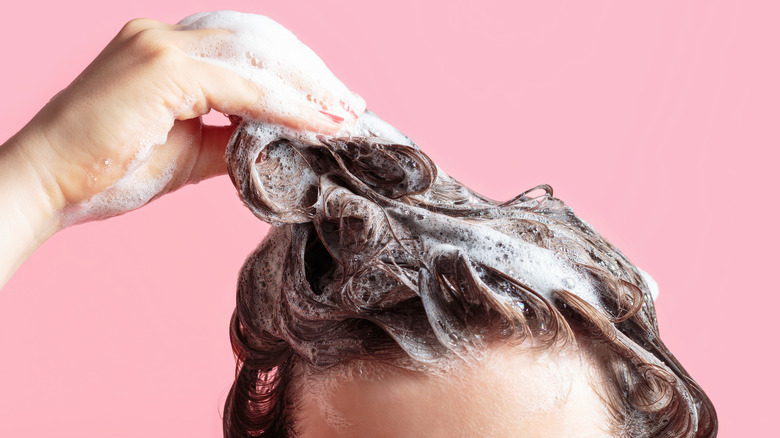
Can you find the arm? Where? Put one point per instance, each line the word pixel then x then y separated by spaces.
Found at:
pixel 127 131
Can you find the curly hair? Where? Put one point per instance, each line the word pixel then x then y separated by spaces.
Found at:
pixel 377 255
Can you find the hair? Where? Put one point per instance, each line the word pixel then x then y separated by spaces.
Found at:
pixel 377 255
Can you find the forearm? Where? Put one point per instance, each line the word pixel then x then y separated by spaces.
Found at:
pixel 28 212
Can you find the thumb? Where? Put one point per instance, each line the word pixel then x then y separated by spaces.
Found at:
pixel 211 157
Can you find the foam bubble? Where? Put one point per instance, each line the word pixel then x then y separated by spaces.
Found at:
pixel 652 285
pixel 142 180
pixel 132 191
pixel 541 269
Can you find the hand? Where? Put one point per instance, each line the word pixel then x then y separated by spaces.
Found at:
pixel 113 120
pixel 127 130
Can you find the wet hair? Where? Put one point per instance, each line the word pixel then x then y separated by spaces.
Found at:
pixel 376 255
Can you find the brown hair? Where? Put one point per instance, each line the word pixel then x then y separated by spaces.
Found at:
pixel 378 255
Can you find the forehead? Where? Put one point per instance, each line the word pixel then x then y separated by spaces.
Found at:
pixel 509 392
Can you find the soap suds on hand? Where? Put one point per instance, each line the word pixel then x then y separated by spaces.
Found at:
pixel 291 75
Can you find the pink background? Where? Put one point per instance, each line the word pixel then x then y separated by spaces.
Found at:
pixel 658 123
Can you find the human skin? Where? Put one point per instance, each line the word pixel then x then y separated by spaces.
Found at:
pixel 510 392
pixel 88 136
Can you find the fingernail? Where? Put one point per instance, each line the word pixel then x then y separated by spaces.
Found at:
pixel 334 118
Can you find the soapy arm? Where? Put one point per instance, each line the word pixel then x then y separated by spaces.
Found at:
pixel 127 131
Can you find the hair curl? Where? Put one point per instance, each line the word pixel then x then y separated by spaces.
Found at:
pixel 376 254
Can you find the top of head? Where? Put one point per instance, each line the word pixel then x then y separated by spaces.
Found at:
pixel 386 225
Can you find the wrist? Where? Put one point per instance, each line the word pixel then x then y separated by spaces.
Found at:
pixel 32 155
pixel 29 204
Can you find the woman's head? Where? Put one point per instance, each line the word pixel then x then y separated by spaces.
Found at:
pixel 380 258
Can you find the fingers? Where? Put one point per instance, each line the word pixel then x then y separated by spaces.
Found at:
pixel 297 88
pixel 204 85
pixel 229 93
pixel 358 104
